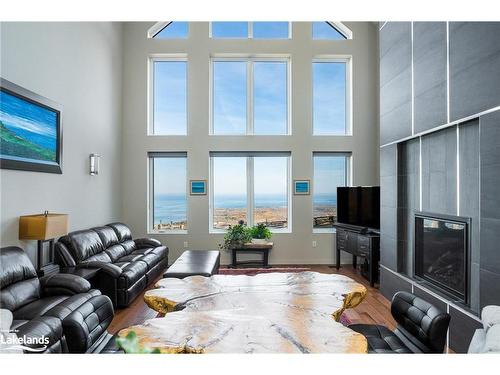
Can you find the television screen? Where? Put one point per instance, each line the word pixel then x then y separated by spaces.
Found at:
pixel 359 206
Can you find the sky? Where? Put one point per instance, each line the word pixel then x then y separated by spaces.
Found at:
pixel 329 172
pixel 322 30
pixel 174 30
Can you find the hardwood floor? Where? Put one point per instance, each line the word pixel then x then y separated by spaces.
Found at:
pixel 375 309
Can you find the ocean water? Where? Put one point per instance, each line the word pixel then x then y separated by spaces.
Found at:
pixel 169 208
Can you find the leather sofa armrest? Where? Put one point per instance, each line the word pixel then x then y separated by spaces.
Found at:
pixel 108 268
pixel 63 283
pixel 147 242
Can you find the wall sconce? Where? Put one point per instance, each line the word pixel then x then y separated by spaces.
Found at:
pixel 94 164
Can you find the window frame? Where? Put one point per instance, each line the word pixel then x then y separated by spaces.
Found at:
pixel 250 60
pixel 339 27
pixel 151 91
pixel 348 60
pixel 347 179
pixel 158 27
pixel 250 187
pixel 249 32
pixel 150 189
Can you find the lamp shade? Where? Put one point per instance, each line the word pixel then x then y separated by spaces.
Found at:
pixel 43 226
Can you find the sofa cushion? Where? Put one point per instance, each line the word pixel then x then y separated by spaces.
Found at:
pixel 115 252
pixel 66 307
pixel 129 246
pixel 143 251
pixel 83 244
pixel 38 307
pixel 122 231
pixel 129 258
pixel 107 235
pixel 131 273
pixel 19 284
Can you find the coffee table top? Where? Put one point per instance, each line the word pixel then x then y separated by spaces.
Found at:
pixel 265 313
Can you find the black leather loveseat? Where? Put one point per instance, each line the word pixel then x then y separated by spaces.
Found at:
pixel 60 308
pixel 126 266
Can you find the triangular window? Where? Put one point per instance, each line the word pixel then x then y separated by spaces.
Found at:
pixel 169 30
pixel 330 31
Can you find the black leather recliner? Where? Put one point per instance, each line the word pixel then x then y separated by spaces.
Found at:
pixel 62 307
pixel 421 328
pixel 126 266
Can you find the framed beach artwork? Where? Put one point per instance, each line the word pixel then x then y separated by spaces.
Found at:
pixel 198 187
pixel 301 187
pixel 30 130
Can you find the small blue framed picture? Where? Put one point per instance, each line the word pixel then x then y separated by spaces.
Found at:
pixel 301 187
pixel 198 187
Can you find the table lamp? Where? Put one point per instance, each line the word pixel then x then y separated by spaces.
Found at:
pixel 43 228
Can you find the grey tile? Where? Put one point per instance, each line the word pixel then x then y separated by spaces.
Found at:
pixel 388 161
pixel 396 124
pixel 475 284
pixel 392 33
pixel 461 330
pixel 397 58
pixel 490 249
pixel 490 138
pixel 388 252
pixel 490 288
pixel 388 220
pixel 391 283
pixel 474 67
pixel 429 61
pixel 437 302
pixel 396 92
pixel 490 197
pixel 389 191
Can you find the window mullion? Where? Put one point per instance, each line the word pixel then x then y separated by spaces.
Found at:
pixel 250 114
pixel 250 191
pixel 250 30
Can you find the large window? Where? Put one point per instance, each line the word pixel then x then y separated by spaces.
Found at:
pixel 244 30
pixel 250 96
pixel 331 99
pixel 330 171
pixel 168 198
pixel 169 97
pixel 253 188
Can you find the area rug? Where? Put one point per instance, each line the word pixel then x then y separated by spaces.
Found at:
pixel 255 271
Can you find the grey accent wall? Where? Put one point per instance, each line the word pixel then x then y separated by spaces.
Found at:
pixel 395 81
pixel 429 74
pixel 490 209
pixel 474 67
pixel 460 162
pixel 79 66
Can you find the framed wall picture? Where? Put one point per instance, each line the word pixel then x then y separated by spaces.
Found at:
pixel 198 187
pixel 301 187
pixel 30 130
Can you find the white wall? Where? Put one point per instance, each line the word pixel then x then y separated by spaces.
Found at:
pixel 78 65
pixel 295 247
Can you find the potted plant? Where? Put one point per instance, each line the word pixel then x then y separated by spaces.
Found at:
pixel 236 236
pixel 260 234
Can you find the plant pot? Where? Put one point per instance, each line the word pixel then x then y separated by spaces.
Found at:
pixel 259 241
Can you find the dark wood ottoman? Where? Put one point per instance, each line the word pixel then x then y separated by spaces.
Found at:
pixel 195 262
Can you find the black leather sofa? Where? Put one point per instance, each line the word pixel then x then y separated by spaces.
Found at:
pixel 60 307
pixel 126 266
pixel 421 328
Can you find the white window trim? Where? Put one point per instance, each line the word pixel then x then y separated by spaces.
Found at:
pixel 347 59
pixel 249 33
pixel 150 192
pixel 348 182
pixel 250 60
pixel 151 88
pixel 250 189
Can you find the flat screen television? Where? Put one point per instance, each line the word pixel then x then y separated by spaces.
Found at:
pixel 359 205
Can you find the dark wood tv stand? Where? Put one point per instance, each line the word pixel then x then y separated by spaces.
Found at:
pixel 360 242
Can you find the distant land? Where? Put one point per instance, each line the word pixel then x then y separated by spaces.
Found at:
pixel 12 144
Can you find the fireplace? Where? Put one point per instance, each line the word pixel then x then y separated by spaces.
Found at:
pixel 442 254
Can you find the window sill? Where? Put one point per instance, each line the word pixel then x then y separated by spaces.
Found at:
pixel 324 230
pixel 221 231
pixel 158 232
